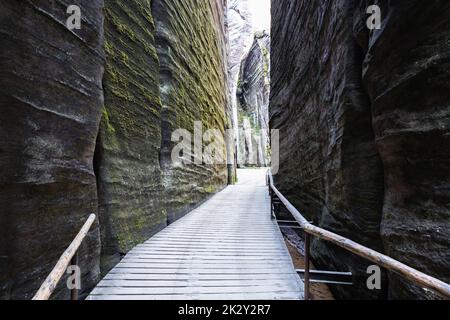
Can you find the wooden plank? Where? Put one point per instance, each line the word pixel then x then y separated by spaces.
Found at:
pixel 217 244
pixel 225 237
pixel 192 289
pixel 221 297
pixel 185 283
pixel 199 277
pixel 210 254
pixel 206 245
pixel 188 270
pixel 197 267
pixel 153 257
pixel 161 263
pixel 260 242
pixel 228 233
pixel 207 249
pixel 228 248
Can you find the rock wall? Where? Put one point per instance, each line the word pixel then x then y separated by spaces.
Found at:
pixel 240 38
pixel 127 156
pixel 71 133
pixel 165 70
pixel 364 127
pixel 407 76
pixel 253 103
pixel 190 41
pixel 50 98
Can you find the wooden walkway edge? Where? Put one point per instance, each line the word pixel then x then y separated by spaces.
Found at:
pixel 226 249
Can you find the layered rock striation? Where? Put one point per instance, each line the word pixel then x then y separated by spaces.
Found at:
pixel 87 128
pixel 364 125
pixel 127 156
pixel 50 99
pixel 190 40
pixel 253 103
pixel 406 72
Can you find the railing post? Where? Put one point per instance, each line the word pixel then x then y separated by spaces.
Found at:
pixel 74 290
pixel 50 283
pixel 271 205
pixel 411 274
pixel 307 264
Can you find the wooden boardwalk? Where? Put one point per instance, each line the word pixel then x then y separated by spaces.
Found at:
pixel 226 249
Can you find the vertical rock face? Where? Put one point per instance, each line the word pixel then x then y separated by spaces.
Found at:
pixel 329 166
pixel 165 70
pixel 407 75
pixel 253 107
pixel 63 143
pixel 190 40
pixel 50 98
pixel 240 37
pixel 386 185
pixel 127 158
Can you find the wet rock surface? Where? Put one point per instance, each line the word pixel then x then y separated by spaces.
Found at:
pixel 364 131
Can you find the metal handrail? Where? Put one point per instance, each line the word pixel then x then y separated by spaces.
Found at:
pixel 411 274
pixel 69 256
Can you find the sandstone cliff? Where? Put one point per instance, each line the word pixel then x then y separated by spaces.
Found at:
pixel 240 38
pixel 165 70
pixel 127 156
pixel 68 131
pixel 407 76
pixel 50 99
pixel 253 103
pixel 364 120
pixel 190 42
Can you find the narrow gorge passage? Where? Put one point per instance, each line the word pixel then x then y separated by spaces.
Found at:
pixel 228 248
pixel 135 136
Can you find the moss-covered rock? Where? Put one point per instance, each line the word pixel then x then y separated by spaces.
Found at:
pixel 127 158
pixel 63 143
pixel 191 42
pixel 164 71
